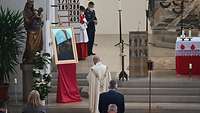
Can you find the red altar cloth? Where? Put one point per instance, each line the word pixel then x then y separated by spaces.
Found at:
pixel 188 52
pixel 67 89
pixel 82 50
pixel 182 65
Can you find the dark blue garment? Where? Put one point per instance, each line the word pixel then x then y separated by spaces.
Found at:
pixel 111 97
pixel 91 35
pixel 90 17
pixel 30 109
pixel 2 112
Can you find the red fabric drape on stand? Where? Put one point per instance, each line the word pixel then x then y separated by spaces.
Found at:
pixel 182 65
pixel 82 50
pixel 67 89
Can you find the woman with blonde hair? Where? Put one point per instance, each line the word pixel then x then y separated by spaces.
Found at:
pixel 34 103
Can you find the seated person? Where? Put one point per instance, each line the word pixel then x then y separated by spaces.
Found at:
pixel 112 108
pixel 34 103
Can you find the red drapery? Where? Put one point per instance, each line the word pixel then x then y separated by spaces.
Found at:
pixel 182 65
pixel 82 50
pixel 67 89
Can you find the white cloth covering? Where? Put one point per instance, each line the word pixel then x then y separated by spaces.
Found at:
pixel 83 37
pixel 188 48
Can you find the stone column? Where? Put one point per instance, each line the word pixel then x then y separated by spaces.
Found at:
pixel 27 80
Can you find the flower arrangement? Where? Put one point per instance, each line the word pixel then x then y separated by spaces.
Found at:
pixel 41 77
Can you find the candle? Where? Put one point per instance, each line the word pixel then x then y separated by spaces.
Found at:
pixel 15 81
pixel 190 66
pixel 183 34
pixel 190 33
pixel 120 4
pixel 147 4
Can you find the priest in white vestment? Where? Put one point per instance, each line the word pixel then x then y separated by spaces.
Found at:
pixel 98 79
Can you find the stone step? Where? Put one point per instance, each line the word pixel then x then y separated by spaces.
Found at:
pixel 67 110
pixel 160 111
pixel 154 91
pixel 163 108
pixel 161 91
pixel 141 98
pixel 82 107
pixel 162 99
pixel 160 83
pixel 53 89
pixel 81 82
pixel 130 108
pixel 144 83
pixel 52 102
pixel 79 75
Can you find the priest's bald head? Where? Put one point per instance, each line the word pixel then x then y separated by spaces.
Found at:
pixel 96 59
pixel 30 0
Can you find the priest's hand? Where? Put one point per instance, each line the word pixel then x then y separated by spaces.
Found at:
pixel 95 22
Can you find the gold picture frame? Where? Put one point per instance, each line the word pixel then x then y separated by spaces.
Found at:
pixel 64 45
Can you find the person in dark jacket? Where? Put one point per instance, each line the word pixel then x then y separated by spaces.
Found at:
pixel 91 22
pixel 34 103
pixel 111 97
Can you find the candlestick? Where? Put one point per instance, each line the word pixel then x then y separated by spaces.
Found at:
pixel 190 35
pixel 182 35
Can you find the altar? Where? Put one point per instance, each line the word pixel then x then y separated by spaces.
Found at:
pixel 188 56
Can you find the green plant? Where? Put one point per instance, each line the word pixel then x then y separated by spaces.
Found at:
pixel 3 104
pixel 11 40
pixel 41 77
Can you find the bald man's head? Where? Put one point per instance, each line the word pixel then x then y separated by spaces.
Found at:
pixel 96 59
pixel 30 0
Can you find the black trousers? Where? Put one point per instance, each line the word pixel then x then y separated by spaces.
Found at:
pixel 91 35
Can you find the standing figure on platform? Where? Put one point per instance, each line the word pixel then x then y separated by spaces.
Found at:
pixel 82 47
pixel 33 25
pixel 92 21
pixel 98 79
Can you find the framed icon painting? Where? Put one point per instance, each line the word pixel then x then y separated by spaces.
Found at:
pixel 64 45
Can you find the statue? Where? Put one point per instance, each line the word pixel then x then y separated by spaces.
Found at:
pixel 33 24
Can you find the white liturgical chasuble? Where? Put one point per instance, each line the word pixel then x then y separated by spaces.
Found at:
pixel 98 79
